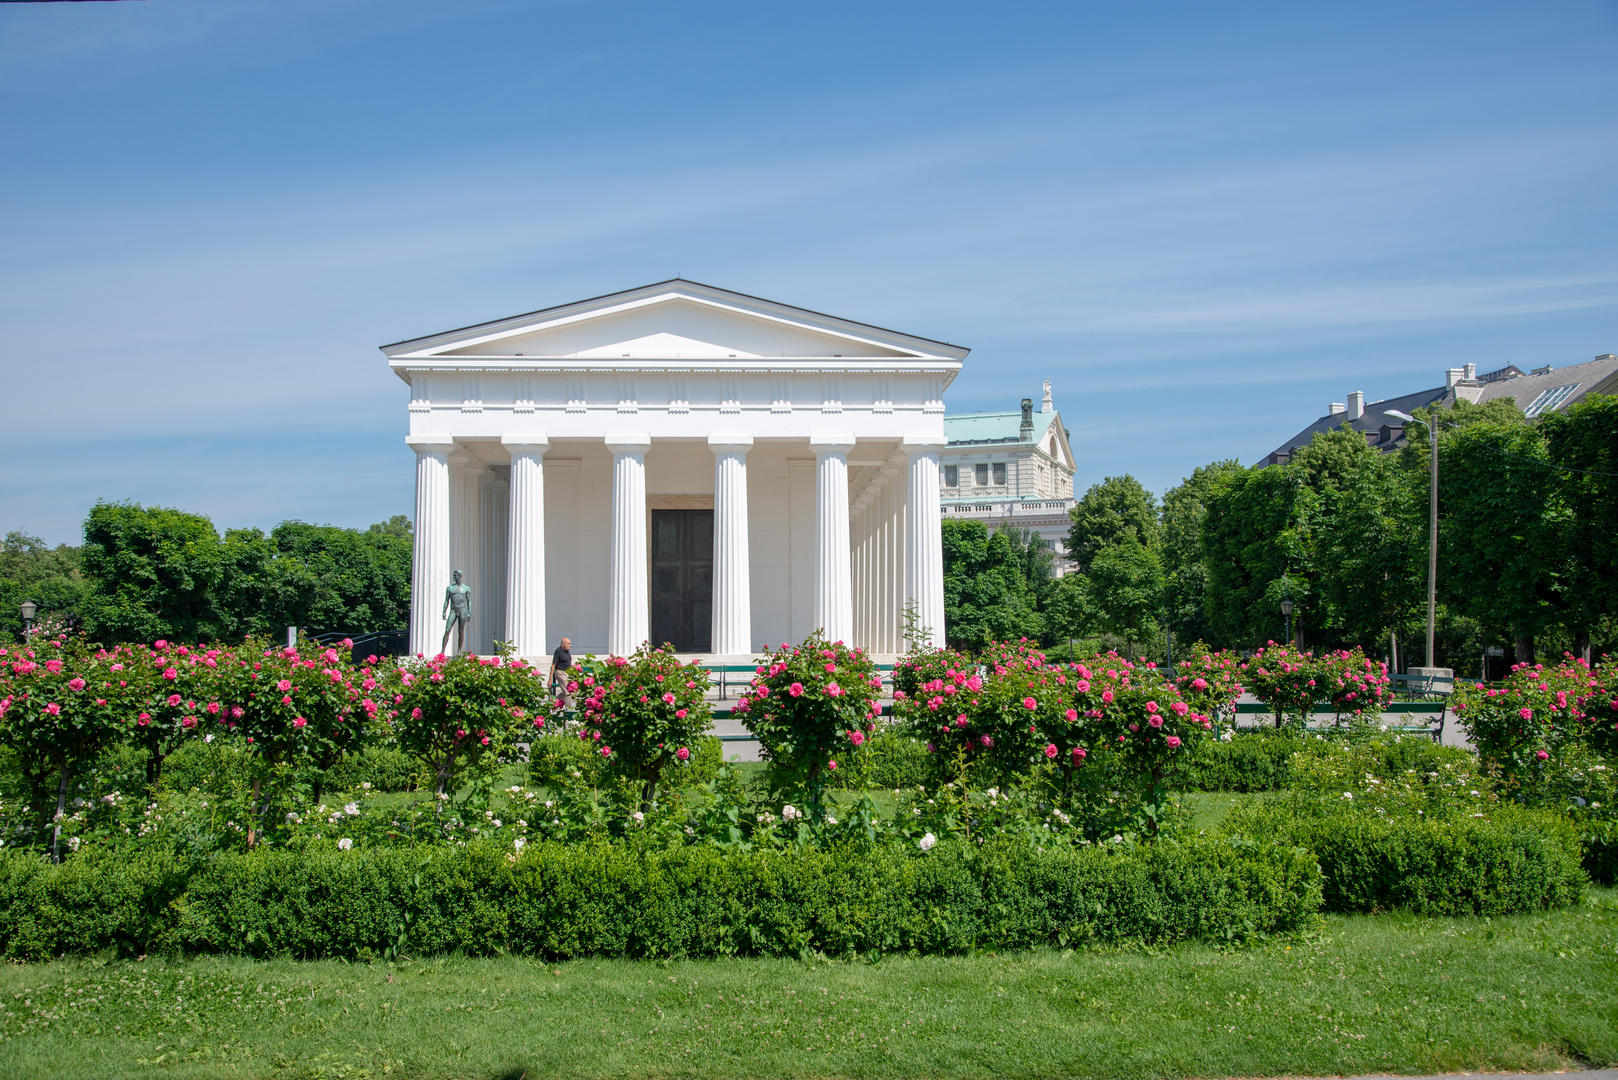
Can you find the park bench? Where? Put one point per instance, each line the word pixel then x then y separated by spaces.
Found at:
pixel 1432 713
pixel 723 675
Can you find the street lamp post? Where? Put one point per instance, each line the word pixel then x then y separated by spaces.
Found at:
pixel 28 610
pixel 1286 606
pixel 1432 530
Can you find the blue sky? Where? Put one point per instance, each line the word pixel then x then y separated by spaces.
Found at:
pixel 1202 222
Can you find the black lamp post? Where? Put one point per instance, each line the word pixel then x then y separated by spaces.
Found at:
pixel 1286 608
pixel 28 610
pixel 1432 527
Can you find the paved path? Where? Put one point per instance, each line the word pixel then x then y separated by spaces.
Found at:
pixel 1585 1074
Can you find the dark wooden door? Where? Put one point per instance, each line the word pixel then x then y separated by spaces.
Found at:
pixel 682 579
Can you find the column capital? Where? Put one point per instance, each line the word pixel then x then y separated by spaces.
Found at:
pixel 921 444
pixel 831 442
pixel 720 444
pixel 525 444
pixel 430 444
pixel 629 442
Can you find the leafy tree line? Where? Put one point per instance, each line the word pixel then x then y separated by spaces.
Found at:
pixel 145 573
pixel 1528 548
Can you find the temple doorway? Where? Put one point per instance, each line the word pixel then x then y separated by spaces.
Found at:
pixel 682 579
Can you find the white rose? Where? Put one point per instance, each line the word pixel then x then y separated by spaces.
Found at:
pixel 926 842
pixel 344 844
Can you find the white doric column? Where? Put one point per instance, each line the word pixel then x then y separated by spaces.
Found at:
pixel 465 522
pixel 628 599
pixel 732 572
pixel 924 535
pixel 429 570
pixel 525 546
pixel 834 587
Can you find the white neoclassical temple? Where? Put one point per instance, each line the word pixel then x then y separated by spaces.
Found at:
pixel 677 463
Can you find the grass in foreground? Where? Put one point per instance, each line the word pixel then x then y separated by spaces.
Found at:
pixel 1388 993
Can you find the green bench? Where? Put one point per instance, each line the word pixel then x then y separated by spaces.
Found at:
pixel 1435 714
pixel 725 673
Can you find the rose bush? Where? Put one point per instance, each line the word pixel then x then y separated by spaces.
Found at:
pixel 58 712
pixel 987 728
pixel 1286 680
pixel 1522 727
pixel 809 706
pixel 464 716
pixel 644 714
pixel 1210 682
pixel 1131 720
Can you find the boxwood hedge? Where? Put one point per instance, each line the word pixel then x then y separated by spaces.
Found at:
pixel 1511 861
pixel 612 900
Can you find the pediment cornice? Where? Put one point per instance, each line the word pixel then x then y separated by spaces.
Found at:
pixel 675 326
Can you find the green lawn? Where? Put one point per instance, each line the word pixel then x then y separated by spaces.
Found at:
pixel 1387 993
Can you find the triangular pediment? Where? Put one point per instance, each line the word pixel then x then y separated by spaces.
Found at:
pixel 677 320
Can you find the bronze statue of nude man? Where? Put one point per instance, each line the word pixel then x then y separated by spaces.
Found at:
pixel 457 613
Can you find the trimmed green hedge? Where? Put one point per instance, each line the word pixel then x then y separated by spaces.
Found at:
pixel 1514 861
pixel 611 900
pixel 1251 761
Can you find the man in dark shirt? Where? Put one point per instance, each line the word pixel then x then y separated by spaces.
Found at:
pixel 561 661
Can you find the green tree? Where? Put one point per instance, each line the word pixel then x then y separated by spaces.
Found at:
pixel 154 573
pixel 1253 535
pixel 1502 550
pixel 1112 511
pixel 986 592
pixel 1583 443
pixel 1185 580
pixel 1071 613
pixel 396 526
pixel 342 579
pixel 1126 585
pixel 49 577
pixel 1364 537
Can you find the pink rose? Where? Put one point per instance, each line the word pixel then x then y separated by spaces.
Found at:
pixel 1526 713
pixel 1541 755
pixel 834 690
pixel 831 765
pixel 857 738
pixel 1174 742
pixel 1155 720
pixel 54 709
pixel 298 721
pixel 75 683
pixel 1050 750
pixel 796 689
pixel 986 741
pixel 1199 683
pixel 683 754
pixel 1029 703
pixel 1072 715
pixel 1106 696
pixel 189 722
pixel 284 685
pixel 1151 706
pixel 1079 753
pixel 668 697
pixel 1180 708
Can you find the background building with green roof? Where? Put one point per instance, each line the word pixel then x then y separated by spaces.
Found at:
pixel 1011 469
